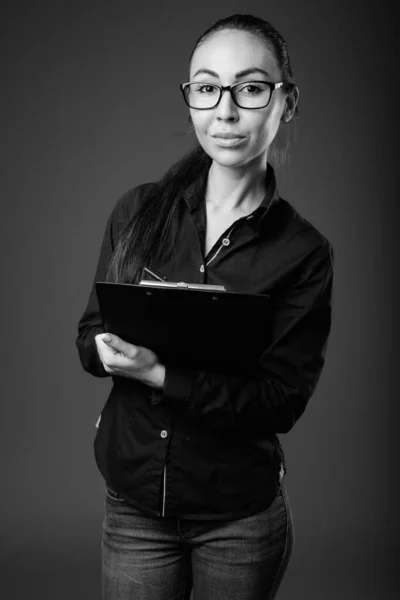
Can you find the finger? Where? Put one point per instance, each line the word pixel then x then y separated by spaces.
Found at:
pixel 116 344
pixel 102 350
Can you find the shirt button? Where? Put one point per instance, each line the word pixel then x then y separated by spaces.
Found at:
pixel 226 241
pixel 163 433
pixel 202 269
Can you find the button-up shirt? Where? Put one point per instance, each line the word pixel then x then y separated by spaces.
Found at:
pixel 206 446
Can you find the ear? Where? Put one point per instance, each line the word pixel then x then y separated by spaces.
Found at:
pixel 290 105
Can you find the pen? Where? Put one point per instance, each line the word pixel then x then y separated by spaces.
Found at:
pixel 156 274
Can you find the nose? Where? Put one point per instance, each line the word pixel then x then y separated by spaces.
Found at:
pixel 226 109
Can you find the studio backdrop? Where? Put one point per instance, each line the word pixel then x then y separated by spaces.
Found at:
pixel 91 108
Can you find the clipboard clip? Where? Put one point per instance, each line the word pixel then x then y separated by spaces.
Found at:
pixel 159 280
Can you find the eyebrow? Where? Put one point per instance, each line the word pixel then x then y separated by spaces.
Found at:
pixel 239 74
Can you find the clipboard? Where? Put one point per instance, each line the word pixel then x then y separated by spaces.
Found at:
pixel 187 327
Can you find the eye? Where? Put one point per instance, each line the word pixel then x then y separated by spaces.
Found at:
pixel 206 88
pixel 252 89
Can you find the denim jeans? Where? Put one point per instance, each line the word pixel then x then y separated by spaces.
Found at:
pixel 146 558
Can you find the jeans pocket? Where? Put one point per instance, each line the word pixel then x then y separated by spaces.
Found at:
pixel 113 496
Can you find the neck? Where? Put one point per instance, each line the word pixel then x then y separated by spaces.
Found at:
pixel 236 189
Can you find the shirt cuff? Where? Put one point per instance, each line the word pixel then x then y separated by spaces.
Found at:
pixel 178 384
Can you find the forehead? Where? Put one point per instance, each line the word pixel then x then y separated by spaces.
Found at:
pixel 228 52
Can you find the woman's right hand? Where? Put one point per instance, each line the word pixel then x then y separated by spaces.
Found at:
pixel 125 359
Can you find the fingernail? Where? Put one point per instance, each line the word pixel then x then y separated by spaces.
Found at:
pixel 106 338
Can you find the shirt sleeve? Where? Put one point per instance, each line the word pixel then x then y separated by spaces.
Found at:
pixel 90 324
pixel 288 372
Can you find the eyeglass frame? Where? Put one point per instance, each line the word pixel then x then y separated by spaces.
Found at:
pixel 272 86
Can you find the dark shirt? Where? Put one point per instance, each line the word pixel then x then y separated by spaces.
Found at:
pixel 206 445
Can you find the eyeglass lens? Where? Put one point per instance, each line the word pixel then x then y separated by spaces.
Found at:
pixel 248 95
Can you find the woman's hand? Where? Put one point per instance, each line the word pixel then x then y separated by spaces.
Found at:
pixel 124 359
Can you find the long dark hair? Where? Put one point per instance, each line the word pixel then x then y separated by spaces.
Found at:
pixel 149 236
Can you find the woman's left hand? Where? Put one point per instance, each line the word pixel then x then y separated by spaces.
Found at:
pixel 124 359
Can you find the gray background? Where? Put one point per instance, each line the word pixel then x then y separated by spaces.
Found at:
pixel 91 107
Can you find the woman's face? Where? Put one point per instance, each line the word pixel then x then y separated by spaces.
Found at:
pixel 227 53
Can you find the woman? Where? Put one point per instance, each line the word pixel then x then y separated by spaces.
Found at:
pixel 193 466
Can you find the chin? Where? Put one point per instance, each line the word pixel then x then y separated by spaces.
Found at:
pixel 227 158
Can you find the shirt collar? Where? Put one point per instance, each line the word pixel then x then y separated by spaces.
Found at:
pixel 195 192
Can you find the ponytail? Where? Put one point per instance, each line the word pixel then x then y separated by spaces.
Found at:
pixel 151 232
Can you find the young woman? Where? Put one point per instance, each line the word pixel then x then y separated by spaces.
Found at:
pixel 194 471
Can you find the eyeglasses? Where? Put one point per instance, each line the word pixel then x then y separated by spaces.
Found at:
pixel 249 94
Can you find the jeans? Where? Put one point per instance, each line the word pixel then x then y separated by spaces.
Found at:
pixel 146 558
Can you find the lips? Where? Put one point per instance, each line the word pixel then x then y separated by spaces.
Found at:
pixel 228 136
pixel 229 142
